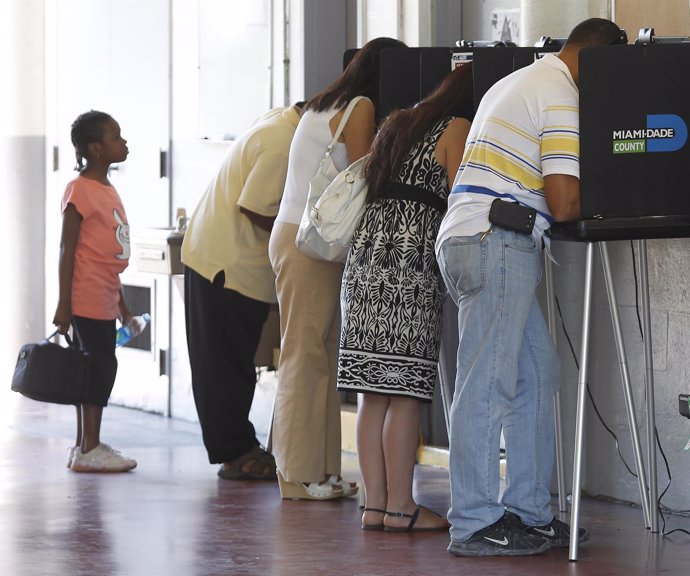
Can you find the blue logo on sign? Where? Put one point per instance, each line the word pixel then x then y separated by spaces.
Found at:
pixel 664 122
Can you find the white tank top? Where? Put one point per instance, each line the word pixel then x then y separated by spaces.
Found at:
pixel 312 137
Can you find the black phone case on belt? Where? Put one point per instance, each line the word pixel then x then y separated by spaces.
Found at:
pixel 512 216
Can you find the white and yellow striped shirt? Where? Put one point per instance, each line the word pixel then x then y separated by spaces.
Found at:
pixel 526 127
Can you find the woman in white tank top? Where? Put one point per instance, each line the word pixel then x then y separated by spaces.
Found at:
pixel 306 425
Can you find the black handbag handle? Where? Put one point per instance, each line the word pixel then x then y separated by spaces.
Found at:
pixel 66 335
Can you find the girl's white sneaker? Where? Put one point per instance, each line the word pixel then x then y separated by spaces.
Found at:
pixel 71 452
pixel 102 459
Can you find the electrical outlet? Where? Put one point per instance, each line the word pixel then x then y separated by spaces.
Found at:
pixel 684 405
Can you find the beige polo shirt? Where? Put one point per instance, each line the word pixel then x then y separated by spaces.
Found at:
pixel 252 176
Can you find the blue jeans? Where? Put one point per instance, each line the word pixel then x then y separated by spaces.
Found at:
pixel 507 376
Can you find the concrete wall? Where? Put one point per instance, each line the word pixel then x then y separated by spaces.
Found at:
pixel 604 470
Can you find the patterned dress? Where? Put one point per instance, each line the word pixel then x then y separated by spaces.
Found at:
pixel 392 292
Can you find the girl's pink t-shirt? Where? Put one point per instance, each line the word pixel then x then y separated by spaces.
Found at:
pixel 102 251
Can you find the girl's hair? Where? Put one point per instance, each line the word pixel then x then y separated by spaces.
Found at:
pixel 402 129
pixel 360 78
pixel 86 129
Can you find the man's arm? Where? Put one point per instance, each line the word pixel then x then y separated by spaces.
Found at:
pixel 263 222
pixel 562 196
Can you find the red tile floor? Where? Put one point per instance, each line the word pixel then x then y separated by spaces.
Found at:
pixel 172 515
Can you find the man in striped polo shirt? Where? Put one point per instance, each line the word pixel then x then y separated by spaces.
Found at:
pixel 523 152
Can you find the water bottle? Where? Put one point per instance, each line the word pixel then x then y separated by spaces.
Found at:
pixel 133 328
pixel 181 220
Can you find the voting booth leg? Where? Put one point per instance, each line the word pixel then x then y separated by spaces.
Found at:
pixel 627 389
pixel 581 399
pixel 645 495
pixel 649 387
pixel 551 316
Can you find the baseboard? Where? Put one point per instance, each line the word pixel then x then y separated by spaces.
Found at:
pixel 426 455
pixel 348 428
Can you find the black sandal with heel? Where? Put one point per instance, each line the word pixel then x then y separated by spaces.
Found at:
pixel 376 527
pixel 413 519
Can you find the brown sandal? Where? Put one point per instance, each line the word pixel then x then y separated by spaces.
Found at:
pixel 262 466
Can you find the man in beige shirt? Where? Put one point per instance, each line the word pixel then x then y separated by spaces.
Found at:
pixel 229 287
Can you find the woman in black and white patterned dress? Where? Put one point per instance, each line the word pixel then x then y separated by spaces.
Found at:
pixel 392 294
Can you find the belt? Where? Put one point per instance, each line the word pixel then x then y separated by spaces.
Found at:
pixel 400 191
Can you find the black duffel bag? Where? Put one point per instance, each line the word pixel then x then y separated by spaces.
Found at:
pixel 48 372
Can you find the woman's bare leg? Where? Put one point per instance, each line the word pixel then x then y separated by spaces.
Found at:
pixel 371 415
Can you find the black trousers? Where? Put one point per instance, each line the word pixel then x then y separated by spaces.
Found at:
pixel 223 332
pixel 97 337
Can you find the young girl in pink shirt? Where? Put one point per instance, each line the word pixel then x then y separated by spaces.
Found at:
pixel 94 250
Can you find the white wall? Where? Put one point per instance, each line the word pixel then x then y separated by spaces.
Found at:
pixel 476 17
pixel 194 162
pixel 22 175
pixel 317 36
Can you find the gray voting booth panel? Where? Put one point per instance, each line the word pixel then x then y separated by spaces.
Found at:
pixel 409 74
pixel 634 154
pixel 492 64
pixel 634 112
pixel 398 79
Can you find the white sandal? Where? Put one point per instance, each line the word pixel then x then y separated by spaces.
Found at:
pixel 348 488
pixel 310 491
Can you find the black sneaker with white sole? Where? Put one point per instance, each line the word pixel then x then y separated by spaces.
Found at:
pixel 558 533
pixel 506 537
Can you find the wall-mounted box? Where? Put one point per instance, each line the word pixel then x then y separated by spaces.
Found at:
pixel 158 251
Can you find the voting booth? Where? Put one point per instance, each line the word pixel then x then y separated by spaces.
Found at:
pixel 409 74
pixel 634 154
pixel 634 131
pixel 406 76
pixel 635 170
pixel 635 185
pixel 635 175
